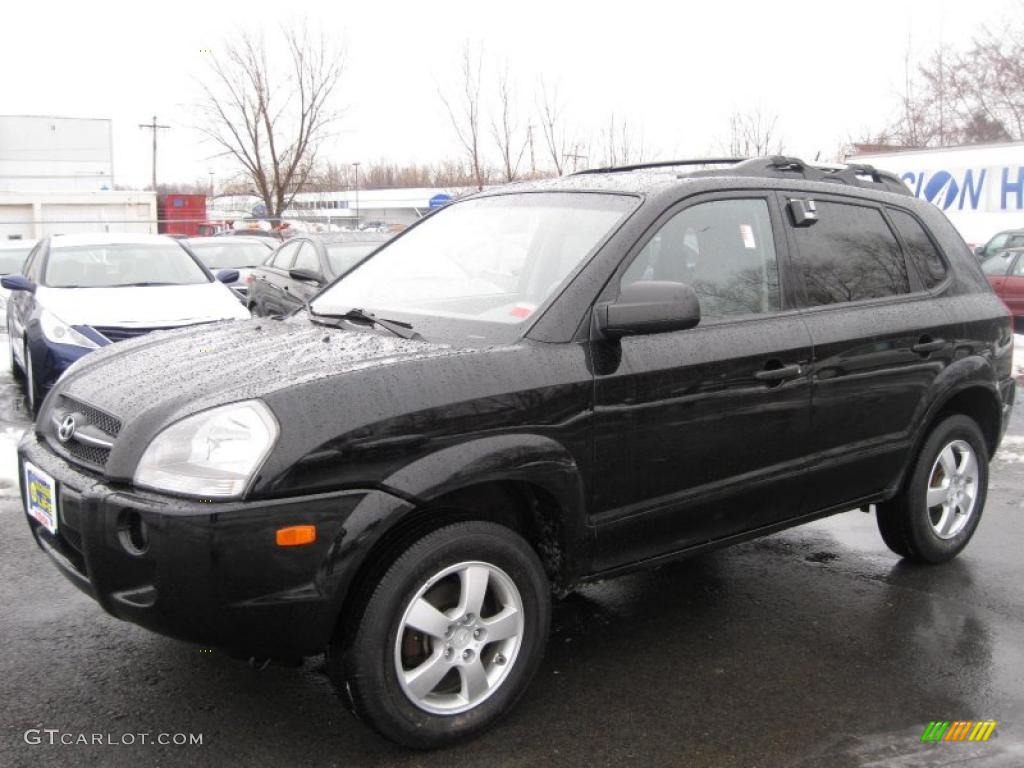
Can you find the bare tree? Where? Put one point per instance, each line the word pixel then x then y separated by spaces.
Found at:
pixel 753 133
pixel 505 129
pixel 551 111
pixel 269 117
pixel 464 111
pixel 622 143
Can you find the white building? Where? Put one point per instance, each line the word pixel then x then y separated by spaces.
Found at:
pixel 25 215
pixel 55 153
pixel 980 187
pixel 57 177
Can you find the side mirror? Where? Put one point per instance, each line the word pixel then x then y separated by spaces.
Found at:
pixel 979 250
pixel 17 283
pixel 649 306
pixel 228 276
pixel 306 274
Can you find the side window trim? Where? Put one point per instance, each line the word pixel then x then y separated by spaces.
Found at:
pixel 779 240
pixel 804 304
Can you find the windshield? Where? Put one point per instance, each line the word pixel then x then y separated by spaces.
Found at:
pixel 231 255
pixel 120 264
pixel 490 262
pixel 344 256
pixel 12 260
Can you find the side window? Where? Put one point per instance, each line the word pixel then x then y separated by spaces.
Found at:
pixel 285 255
pixel 307 258
pixel 850 254
pixel 1018 268
pixel 1015 241
pixel 998 264
pixel 920 249
pixel 32 263
pixel 723 249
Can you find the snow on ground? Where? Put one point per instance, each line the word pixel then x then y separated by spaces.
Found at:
pixel 1018 356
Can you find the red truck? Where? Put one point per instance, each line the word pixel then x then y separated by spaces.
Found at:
pixel 183 215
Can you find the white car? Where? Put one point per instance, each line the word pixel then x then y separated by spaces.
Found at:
pixel 77 293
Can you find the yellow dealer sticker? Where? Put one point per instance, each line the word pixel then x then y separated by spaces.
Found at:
pixel 41 491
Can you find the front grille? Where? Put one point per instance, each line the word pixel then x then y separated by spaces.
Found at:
pixel 102 421
pixel 77 449
pixel 87 454
pixel 120 334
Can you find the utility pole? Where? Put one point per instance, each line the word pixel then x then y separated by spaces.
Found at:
pixel 154 128
pixel 576 157
pixel 533 159
pixel 356 166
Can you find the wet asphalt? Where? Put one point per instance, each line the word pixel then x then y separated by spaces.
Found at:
pixel 813 647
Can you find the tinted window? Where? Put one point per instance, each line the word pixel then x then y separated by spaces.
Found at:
pixel 850 254
pixel 307 258
pixel 1016 241
pixel 920 249
pixel 343 256
pixel 1018 268
pixel 285 254
pixel 999 264
pixel 723 249
pixel 107 265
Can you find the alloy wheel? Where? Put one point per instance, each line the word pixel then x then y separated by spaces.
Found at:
pixel 459 637
pixel 952 489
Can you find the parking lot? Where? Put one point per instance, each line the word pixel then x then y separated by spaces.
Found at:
pixel 812 647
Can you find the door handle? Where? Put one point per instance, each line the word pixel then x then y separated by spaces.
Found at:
pixel 926 345
pixel 778 374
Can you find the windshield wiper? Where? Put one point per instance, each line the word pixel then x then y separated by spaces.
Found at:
pixel 356 315
pixel 141 285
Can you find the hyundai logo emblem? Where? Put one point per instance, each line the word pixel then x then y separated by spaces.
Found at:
pixel 66 430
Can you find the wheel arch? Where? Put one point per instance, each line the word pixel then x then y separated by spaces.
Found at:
pixel 528 483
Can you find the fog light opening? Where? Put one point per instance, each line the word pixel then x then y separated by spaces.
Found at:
pixel 132 532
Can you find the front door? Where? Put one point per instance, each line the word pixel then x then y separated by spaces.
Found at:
pixel 700 434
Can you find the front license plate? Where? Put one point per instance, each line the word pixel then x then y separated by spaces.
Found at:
pixel 42 496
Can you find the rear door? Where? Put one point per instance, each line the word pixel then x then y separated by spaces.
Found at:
pixel 20 304
pixel 1012 289
pixel 270 298
pixel 701 434
pixel 996 267
pixel 297 292
pixel 870 282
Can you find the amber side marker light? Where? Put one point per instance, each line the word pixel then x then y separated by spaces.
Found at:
pixel 296 535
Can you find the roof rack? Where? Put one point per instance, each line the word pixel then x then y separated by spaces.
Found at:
pixel 777 167
pixel 782 167
pixel 662 164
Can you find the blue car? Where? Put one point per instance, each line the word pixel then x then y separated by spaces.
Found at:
pixel 81 292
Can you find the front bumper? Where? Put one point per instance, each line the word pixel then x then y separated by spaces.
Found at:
pixel 210 572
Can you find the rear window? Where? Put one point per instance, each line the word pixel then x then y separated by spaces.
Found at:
pixel 230 255
pixel 849 254
pixel 920 249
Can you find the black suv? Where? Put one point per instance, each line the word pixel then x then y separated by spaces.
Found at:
pixel 540 385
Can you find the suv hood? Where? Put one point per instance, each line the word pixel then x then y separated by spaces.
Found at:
pixel 166 375
pixel 153 306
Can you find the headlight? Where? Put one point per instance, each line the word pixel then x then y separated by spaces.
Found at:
pixel 213 454
pixel 59 332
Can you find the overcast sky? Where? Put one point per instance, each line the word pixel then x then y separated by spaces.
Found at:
pixel 829 70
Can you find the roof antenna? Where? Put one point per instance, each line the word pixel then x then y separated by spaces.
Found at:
pixel 817 156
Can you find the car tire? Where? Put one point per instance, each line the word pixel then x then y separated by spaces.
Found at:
pixel 935 515
pixel 16 370
pixel 473 666
pixel 31 388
